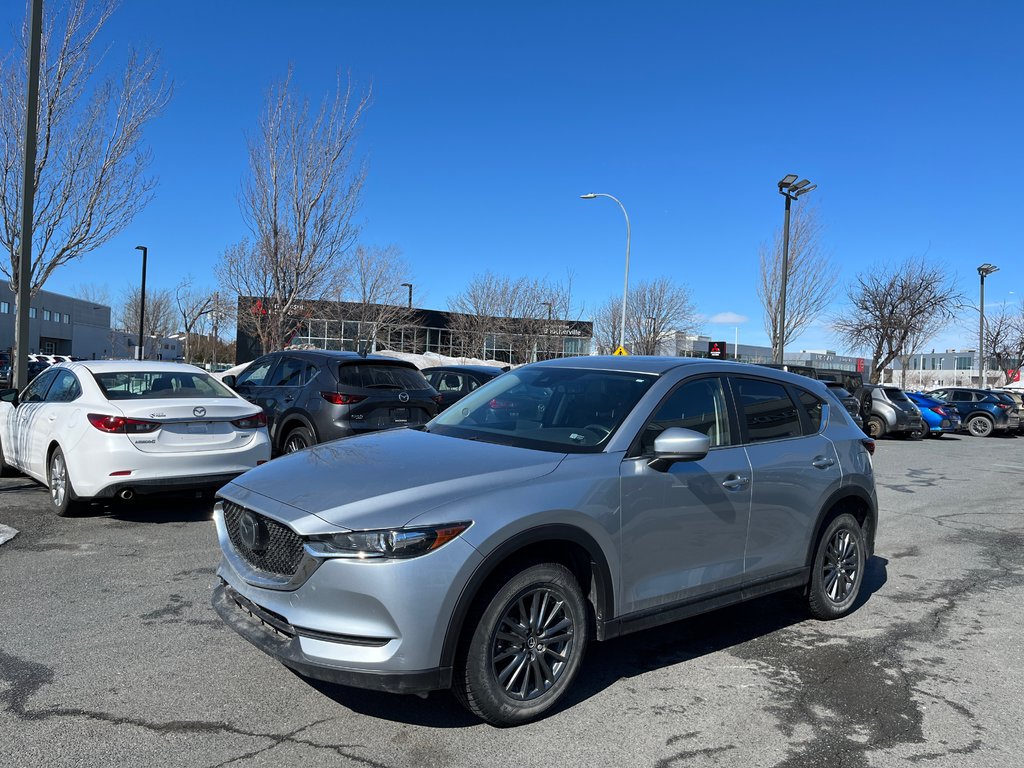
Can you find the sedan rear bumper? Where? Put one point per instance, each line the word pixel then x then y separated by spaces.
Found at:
pixel 169 485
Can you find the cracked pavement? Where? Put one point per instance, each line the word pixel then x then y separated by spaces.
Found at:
pixel 111 655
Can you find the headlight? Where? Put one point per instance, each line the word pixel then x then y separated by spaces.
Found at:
pixel 393 543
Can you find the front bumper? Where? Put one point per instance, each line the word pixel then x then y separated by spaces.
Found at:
pixel 274 636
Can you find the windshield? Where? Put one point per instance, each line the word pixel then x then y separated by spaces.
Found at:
pixel 163 385
pixel 567 410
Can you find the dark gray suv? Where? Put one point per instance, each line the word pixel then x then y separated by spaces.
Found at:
pixel 311 396
pixel 563 502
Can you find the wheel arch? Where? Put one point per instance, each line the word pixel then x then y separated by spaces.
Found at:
pixel 288 421
pixel 858 503
pixel 557 543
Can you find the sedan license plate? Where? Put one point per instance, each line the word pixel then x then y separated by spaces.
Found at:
pixel 400 415
pixel 198 428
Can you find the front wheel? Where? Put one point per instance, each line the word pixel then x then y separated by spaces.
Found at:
pixel 526 645
pixel 838 569
pixel 980 426
pixel 62 493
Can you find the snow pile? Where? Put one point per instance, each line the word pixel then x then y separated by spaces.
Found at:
pixel 431 359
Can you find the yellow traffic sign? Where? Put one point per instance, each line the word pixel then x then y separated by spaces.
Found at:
pixel 620 351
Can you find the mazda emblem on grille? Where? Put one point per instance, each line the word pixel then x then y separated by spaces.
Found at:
pixel 199 411
pixel 403 396
pixel 253 532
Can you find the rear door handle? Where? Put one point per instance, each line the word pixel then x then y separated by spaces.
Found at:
pixel 735 482
pixel 822 462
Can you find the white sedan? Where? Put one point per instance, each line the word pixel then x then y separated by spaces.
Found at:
pixel 98 429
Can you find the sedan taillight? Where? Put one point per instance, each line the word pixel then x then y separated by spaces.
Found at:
pixel 337 398
pixel 255 421
pixel 122 425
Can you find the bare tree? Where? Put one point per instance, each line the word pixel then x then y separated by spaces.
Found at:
pixel 810 283
pixel 193 305
pixel 896 308
pixel 377 300
pixel 514 314
pixel 1004 340
pixel 161 314
pixel 655 310
pixel 91 166
pixel 303 188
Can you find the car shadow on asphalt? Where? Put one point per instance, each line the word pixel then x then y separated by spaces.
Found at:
pixel 609 662
pixel 153 509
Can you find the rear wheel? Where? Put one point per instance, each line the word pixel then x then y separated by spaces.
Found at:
pixel 62 493
pixel 980 426
pixel 916 434
pixel 297 439
pixel 875 427
pixel 526 645
pixel 838 569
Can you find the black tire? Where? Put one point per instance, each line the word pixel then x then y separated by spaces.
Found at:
pixel 515 676
pixel 875 427
pixel 837 571
pixel 980 426
pixel 58 479
pixel 6 470
pixel 916 434
pixel 297 439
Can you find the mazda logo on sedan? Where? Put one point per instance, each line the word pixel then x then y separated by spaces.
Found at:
pixel 403 396
pixel 252 532
pixel 199 411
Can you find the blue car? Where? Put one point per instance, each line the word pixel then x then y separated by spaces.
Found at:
pixel 939 416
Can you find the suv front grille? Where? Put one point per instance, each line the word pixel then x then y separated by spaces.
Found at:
pixel 283 551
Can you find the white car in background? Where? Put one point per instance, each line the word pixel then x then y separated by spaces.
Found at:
pixel 99 429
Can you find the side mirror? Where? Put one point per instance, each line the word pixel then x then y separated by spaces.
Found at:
pixel 9 396
pixel 229 380
pixel 678 444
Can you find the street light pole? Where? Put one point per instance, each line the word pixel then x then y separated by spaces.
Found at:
pixel 409 286
pixel 983 271
pixel 142 303
pixel 791 189
pixel 625 281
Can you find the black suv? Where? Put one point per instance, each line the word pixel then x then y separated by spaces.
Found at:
pixel 311 396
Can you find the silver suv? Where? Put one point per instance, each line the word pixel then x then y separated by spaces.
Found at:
pixel 562 503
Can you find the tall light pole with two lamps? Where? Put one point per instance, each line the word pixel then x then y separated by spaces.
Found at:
pixel 791 189
pixel 983 271
pixel 625 281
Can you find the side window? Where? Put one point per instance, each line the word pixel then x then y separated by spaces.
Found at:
pixel 288 373
pixel 256 374
pixel 36 391
pixel 813 407
pixel 959 396
pixel 450 382
pixel 65 388
pixel 698 405
pixel 767 410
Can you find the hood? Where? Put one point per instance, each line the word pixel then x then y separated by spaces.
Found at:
pixel 385 479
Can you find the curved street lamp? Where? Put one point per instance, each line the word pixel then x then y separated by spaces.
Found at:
pixel 625 281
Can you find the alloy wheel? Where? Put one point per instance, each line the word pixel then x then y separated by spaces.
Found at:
pixel 532 644
pixel 840 566
pixel 58 479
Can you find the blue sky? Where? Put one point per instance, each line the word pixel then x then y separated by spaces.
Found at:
pixel 489 119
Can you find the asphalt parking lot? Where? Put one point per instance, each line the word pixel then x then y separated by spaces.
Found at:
pixel 111 655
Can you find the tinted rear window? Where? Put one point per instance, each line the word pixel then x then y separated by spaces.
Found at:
pixel 149 385
pixel 377 376
pixel 768 411
pixel 896 395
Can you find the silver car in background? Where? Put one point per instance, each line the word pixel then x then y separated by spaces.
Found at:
pixel 564 502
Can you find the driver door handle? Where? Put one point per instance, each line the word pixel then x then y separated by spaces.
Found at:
pixel 735 481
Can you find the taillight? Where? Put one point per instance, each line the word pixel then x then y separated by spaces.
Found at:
pixel 122 425
pixel 436 398
pixel 869 444
pixel 1004 406
pixel 337 398
pixel 499 405
pixel 255 421
pixel 939 411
